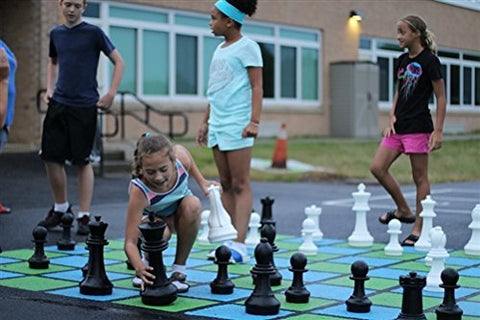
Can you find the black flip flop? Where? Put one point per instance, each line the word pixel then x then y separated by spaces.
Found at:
pixel 391 215
pixel 411 237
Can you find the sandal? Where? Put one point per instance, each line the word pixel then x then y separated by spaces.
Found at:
pixel 412 238
pixel 391 215
pixel 179 280
pixel 4 210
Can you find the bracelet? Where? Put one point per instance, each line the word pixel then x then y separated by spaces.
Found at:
pixel 256 124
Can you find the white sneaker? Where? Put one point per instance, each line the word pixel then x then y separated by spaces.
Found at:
pixel 179 280
pixel 137 282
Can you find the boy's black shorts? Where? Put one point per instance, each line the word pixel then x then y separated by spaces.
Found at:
pixel 68 133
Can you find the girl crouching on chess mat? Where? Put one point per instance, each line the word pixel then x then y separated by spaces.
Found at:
pixel 160 185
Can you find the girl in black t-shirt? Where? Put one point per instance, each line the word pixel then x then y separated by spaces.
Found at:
pixel 411 130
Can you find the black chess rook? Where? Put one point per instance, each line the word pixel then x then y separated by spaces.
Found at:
pixel 66 242
pixel 449 310
pixel 96 281
pixel 297 293
pixel 39 260
pixel 262 301
pixel 222 284
pixel 267 215
pixel 412 304
pixel 358 301
pixel 162 291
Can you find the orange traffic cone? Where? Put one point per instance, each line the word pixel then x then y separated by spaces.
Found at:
pixel 280 153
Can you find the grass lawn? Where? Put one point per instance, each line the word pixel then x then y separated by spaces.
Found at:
pixel 458 160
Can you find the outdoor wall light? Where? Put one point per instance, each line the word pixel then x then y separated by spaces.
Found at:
pixel 356 15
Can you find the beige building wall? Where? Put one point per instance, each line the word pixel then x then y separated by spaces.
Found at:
pixel 25 25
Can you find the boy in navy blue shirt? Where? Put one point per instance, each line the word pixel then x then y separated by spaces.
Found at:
pixel 72 97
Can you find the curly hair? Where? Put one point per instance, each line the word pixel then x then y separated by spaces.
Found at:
pixel 246 6
pixel 147 145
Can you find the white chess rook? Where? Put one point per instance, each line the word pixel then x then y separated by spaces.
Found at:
pixel 308 247
pixel 427 214
pixel 393 248
pixel 253 236
pixel 360 236
pixel 473 245
pixel 204 229
pixel 313 212
pixel 438 254
pixel 219 222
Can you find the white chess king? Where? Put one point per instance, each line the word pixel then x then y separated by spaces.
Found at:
pixel 219 222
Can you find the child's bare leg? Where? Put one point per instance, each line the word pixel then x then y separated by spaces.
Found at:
pixel 187 224
pixel 380 166
pixel 419 163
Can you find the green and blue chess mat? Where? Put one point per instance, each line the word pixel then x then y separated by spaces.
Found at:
pixel 327 279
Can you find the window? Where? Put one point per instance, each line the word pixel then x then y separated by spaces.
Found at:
pixel 460 72
pixel 168 52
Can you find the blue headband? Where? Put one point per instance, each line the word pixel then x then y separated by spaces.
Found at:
pixel 230 11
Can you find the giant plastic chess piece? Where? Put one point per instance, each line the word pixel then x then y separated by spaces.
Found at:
pixel 204 230
pixel 262 301
pixel 358 301
pixel 412 303
pixel 297 293
pixel 308 247
pixel 393 247
pixel 423 243
pixel 222 283
pixel 267 215
pixel 39 260
pixel 268 231
pixel 219 222
pixel 473 245
pixel 313 212
pixel 162 291
pixel 438 254
pixel 66 242
pixel 360 236
pixel 449 310
pixel 253 235
pixel 96 281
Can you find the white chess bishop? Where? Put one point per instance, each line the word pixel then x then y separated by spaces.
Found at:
pixel 204 230
pixel 473 245
pixel 219 222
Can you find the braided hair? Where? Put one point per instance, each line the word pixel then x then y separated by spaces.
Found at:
pixel 148 145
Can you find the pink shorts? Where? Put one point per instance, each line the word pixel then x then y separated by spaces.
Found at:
pixel 407 143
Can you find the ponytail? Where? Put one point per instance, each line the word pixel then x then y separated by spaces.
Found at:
pixel 426 36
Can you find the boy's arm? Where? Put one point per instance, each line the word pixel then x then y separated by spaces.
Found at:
pixel 119 67
pixel 52 74
pixel 4 72
pixel 437 135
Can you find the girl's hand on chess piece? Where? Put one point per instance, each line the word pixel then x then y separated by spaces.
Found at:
pixel 144 274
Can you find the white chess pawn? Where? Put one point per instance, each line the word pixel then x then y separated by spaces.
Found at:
pixel 360 236
pixel 313 212
pixel 393 248
pixel 438 255
pixel 308 247
pixel 219 221
pixel 253 236
pixel 473 245
pixel 427 214
pixel 204 230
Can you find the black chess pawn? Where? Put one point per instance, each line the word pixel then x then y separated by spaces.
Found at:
pixel 268 231
pixel 449 310
pixel 297 293
pixel 262 301
pixel 412 304
pixel 162 291
pixel 96 281
pixel 267 217
pixel 222 284
pixel 66 242
pixel 358 301
pixel 39 260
